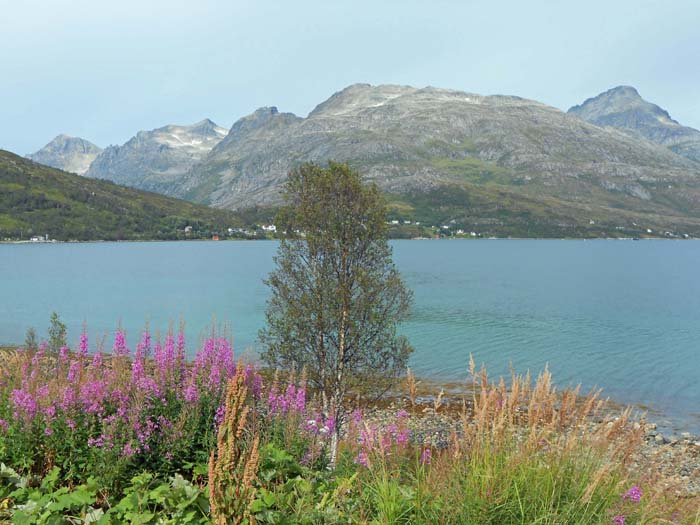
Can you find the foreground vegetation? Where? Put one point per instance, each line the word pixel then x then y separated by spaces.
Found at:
pixel 150 437
pixel 36 200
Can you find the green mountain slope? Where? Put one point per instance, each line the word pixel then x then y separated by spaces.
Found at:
pixel 38 200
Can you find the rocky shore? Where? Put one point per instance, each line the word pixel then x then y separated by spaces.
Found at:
pixel 675 457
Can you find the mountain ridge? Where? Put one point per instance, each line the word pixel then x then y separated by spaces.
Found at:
pixel 152 159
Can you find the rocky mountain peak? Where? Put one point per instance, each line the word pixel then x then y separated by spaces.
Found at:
pixel 357 97
pixel 623 108
pixel 267 117
pixel 152 159
pixel 67 153
pixel 618 100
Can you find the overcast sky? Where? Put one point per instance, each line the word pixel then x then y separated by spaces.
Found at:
pixel 104 70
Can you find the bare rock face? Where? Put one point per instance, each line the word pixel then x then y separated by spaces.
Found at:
pixel 415 141
pixel 624 109
pixel 71 154
pixel 154 160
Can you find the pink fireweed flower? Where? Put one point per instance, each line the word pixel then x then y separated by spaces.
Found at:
pixel 214 376
pixel 330 423
pixel 190 393
pixel 144 432
pixel 83 347
pixel 73 371
pixel 3 425
pixel 254 381
pixel 128 451
pixel 169 351
pixel 92 395
pixel 145 344
pixel 219 416
pixel 619 520
pixel 401 414
pixel 356 416
pixel 164 423
pixel 403 436
pixel 120 348
pixel 181 344
pixel 633 494
pixel 25 404
pixel 137 367
pixel 180 352
pixel 97 361
pixel 67 399
pixel 280 403
pixel 288 400
pixel 63 355
pixel 148 384
pixel 165 359
pixel 300 400
pixel 367 436
pixel 39 355
pixel 362 459
pixel 102 441
pixel 386 442
pixel 425 457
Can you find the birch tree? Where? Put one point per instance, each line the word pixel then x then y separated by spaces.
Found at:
pixel 337 297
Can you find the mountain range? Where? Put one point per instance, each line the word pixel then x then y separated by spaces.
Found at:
pixel 615 165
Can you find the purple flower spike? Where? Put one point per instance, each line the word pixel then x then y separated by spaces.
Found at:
pixel 120 347
pixel 361 459
pixel 84 347
pixel 633 494
pixel 425 457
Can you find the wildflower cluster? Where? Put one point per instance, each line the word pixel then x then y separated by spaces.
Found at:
pixel 632 495
pixel 151 406
pixel 376 442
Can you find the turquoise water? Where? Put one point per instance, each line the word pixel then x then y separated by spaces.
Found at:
pixel 624 316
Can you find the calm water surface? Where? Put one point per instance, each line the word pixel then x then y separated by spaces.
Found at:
pixel 624 316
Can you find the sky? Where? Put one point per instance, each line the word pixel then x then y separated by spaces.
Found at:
pixel 104 70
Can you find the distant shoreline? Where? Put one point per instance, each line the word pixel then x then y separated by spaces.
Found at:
pixel 95 241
